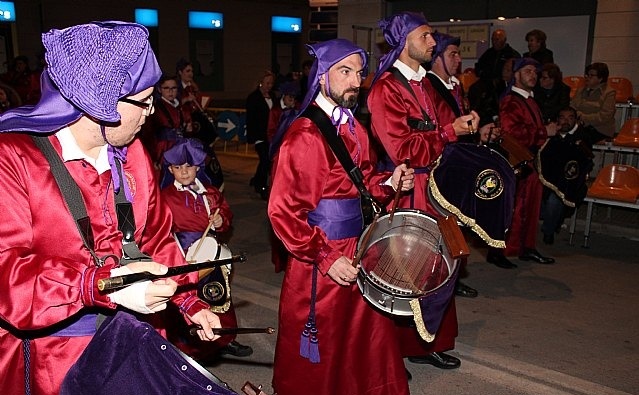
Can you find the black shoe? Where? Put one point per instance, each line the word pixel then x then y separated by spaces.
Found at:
pixel 408 375
pixel 465 291
pixel 438 360
pixel 501 261
pixel 549 239
pixel 534 255
pixel 236 349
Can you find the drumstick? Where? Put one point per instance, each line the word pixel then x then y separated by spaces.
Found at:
pixel 116 282
pixel 206 231
pixel 233 331
pixel 471 130
pixel 398 193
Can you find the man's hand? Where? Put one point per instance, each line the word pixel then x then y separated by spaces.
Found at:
pixel 342 271
pixel 147 296
pixel 207 320
pixel 407 175
pixel 466 124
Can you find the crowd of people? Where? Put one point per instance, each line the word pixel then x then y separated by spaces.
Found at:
pixel 151 201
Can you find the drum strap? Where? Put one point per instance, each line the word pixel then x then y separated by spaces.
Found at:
pixel 317 116
pixel 427 123
pixel 445 93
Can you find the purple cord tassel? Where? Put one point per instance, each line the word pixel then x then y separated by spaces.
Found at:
pixel 314 355
pixel 304 342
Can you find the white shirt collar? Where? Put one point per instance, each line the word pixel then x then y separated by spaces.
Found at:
pixel 198 189
pixel 329 108
pixel 409 73
pixel 450 84
pixel 522 92
pixel 174 102
pixel 71 151
pixel 571 131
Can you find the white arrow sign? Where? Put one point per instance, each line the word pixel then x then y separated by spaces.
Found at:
pixel 228 125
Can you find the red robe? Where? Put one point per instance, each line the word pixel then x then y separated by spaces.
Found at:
pixel 358 350
pixel 44 266
pixel 525 123
pixel 391 106
pixel 159 124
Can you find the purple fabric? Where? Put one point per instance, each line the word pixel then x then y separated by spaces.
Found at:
pixel 129 357
pixel 442 41
pixel 85 326
pixel 187 238
pixel 434 304
pixel 189 151
pixel 395 30
pixel 89 67
pixel 290 88
pixel 338 218
pixel 523 62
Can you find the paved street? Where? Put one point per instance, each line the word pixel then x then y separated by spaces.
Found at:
pixel 569 328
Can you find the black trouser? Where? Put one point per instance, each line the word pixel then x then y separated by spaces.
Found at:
pixel 260 179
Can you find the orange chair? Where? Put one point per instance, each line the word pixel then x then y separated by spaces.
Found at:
pixel 616 182
pixel 467 78
pixel 623 86
pixel 574 82
pixel 629 134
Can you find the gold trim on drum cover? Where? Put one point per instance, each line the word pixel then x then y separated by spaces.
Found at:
pixel 470 222
pixel 419 321
pixel 547 183
pixel 225 307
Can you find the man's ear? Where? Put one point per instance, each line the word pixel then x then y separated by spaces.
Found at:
pixel 171 169
pixel 322 79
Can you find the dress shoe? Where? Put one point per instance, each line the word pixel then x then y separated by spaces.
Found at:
pixel 549 239
pixel 534 255
pixel 500 261
pixel 438 360
pixel 465 291
pixel 236 349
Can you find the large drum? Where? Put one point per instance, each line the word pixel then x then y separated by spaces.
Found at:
pixel 477 185
pixel 213 286
pixel 129 357
pixel 403 259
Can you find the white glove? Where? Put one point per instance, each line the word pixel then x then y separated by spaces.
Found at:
pixel 133 296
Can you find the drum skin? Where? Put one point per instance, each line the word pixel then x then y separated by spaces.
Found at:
pixel 214 286
pixel 403 259
pixel 477 185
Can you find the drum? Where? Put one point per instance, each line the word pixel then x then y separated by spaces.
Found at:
pixel 213 286
pixel 477 185
pixel 126 350
pixel 563 167
pixel 403 259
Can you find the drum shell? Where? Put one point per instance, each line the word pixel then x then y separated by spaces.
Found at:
pixel 420 263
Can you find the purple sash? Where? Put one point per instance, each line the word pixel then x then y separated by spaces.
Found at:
pixel 338 218
pixel 85 326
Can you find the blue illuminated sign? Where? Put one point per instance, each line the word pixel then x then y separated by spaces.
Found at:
pixel 206 20
pixel 146 17
pixel 7 11
pixel 286 24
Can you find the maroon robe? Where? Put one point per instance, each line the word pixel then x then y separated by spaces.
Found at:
pixel 391 106
pixel 44 265
pixel 358 349
pixel 522 119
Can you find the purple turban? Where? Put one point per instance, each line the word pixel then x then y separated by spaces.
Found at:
pixel 520 63
pixel 395 30
pixel 89 67
pixel 442 41
pixel 190 151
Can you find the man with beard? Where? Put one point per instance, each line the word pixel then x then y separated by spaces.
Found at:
pixel 330 340
pixel 522 119
pixel 405 121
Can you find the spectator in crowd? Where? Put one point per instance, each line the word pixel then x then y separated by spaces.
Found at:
pixel 258 107
pixel 537 50
pixel 551 94
pixel 491 63
pixel 595 102
pixel 20 78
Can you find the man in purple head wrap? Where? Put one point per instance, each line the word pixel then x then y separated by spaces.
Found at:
pixel 96 94
pixel 324 342
pixel 406 122
pixel 521 118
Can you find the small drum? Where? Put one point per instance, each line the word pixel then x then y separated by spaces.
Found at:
pixel 403 260
pixel 477 185
pixel 214 286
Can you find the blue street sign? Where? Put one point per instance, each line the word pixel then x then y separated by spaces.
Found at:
pixel 230 124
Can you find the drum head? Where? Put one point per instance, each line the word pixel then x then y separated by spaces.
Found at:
pixel 406 256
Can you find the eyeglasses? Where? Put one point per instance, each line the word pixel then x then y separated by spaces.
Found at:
pixel 169 88
pixel 147 105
